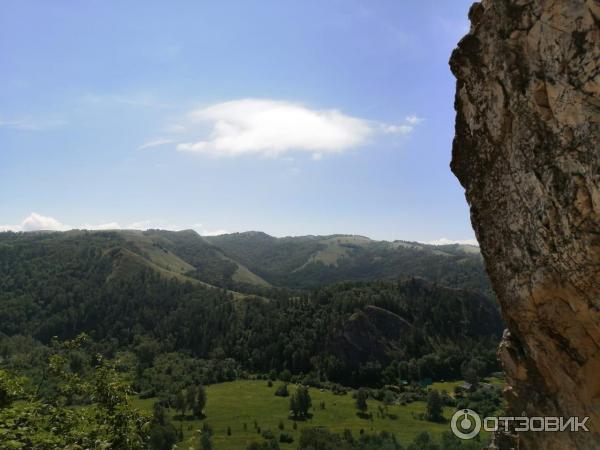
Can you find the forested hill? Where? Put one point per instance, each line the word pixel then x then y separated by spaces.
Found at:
pixel 143 291
pixel 255 261
pixel 312 261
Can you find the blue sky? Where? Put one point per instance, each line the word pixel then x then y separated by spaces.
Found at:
pixel 312 117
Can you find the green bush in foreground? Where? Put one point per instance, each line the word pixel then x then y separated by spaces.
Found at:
pixel 47 424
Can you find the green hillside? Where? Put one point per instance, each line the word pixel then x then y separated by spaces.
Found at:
pixel 254 262
pixel 170 310
pixel 124 288
pixel 307 262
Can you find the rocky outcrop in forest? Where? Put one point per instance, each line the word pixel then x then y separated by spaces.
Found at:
pixel 527 153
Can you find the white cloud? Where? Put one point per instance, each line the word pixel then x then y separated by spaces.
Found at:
pixel 199 228
pixel 399 129
pixel 141 225
pixel 36 222
pixel 406 127
pixel 272 128
pixel 9 228
pixel 413 120
pixel 212 232
pixel 155 143
pixel 102 226
pixel 445 241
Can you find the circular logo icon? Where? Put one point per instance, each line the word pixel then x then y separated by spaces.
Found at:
pixel 465 424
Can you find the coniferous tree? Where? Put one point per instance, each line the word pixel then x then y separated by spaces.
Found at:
pixel 180 402
pixel 434 406
pixel 361 400
pixel 300 403
pixel 190 396
pixel 200 402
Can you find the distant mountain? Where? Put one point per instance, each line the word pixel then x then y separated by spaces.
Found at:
pixel 178 291
pixel 254 262
pixel 312 261
pixel 188 253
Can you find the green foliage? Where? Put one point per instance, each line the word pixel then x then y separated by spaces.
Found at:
pixel 361 400
pixel 140 296
pixel 206 261
pixel 268 257
pixel 152 316
pixel 199 402
pixel 253 403
pixel 282 390
pixel 112 286
pixel 264 445
pixel 162 437
pixel 319 439
pixel 309 262
pixel 162 434
pixel 174 371
pixel 424 441
pixel 49 424
pixel 286 438
pixel 305 262
pixel 451 442
pixel 179 402
pixel 300 403
pixel 323 439
pixel 434 406
pixel 190 396
pixel 11 387
pixel 486 400
pixel 205 442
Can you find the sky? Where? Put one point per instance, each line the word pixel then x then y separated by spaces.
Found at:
pixel 292 118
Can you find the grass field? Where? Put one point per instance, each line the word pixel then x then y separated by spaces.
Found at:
pixel 235 403
pixel 447 386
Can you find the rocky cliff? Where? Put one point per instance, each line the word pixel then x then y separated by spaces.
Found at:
pixel 527 152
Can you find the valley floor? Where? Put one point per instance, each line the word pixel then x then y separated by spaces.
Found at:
pixel 234 404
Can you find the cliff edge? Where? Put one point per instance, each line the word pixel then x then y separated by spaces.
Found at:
pixel 527 152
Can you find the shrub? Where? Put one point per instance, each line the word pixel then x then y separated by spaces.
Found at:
pixel 286 438
pixel 282 391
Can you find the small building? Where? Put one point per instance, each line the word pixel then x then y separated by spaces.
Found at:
pixel 466 387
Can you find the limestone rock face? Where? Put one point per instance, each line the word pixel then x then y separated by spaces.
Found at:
pixel 527 152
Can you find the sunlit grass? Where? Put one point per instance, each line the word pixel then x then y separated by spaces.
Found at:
pixel 237 403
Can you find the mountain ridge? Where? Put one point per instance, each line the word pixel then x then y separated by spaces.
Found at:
pixel 254 260
pixel 168 290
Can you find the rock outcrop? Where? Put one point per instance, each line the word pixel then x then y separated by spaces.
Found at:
pixel 373 334
pixel 527 152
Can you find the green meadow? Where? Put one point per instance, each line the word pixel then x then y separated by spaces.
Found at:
pixel 237 403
